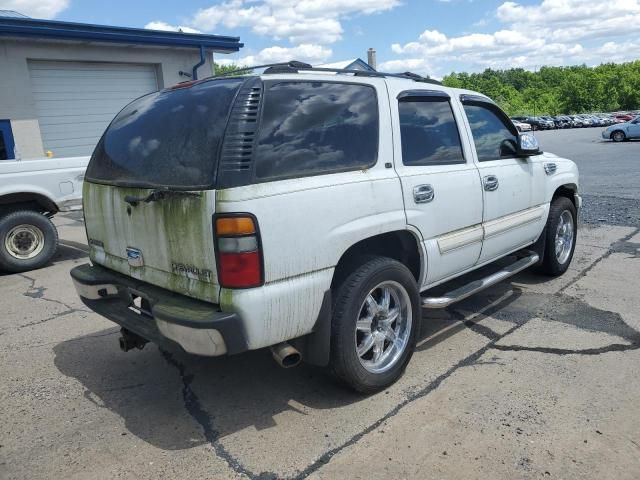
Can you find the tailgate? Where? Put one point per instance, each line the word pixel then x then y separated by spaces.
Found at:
pixel 168 242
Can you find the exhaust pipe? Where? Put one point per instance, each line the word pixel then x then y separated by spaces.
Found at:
pixel 286 355
pixel 129 340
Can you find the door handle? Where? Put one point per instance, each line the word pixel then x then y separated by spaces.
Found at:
pixel 491 183
pixel 423 193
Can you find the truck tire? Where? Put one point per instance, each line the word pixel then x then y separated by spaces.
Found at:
pixel 28 240
pixel 561 234
pixel 376 319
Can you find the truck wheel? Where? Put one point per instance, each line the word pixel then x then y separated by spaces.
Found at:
pixel 561 232
pixel 28 240
pixel 376 317
pixel 618 136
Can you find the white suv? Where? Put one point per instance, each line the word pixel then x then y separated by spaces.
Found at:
pixel 311 213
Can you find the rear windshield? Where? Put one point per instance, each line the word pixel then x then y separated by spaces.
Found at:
pixel 169 138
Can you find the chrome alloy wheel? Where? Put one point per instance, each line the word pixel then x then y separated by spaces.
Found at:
pixel 24 242
pixel 564 237
pixel 383 327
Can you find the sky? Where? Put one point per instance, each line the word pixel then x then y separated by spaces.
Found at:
pixel 433 37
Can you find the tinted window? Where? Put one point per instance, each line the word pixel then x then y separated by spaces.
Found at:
pixel 314 127
pixel 491 135
pixel 169 138
pixel 429 133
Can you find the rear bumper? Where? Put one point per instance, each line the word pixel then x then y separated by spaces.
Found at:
pixel 166 318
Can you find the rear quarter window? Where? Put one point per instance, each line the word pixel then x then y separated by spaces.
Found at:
pixel 311 128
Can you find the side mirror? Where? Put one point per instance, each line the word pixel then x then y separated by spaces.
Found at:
pixel 527 145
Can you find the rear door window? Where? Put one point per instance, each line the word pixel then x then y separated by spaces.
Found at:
pixel 311 128
pixel 169 138
pixel 428 131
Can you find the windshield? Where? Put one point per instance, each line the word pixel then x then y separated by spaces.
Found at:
pixel 169 138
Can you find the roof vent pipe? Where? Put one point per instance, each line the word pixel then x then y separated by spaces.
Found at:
pixel 371 58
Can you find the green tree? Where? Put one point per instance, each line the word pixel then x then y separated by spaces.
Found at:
pixel 230 69
pixel 557 90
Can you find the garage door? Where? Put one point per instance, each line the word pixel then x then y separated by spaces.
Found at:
pixel 76 101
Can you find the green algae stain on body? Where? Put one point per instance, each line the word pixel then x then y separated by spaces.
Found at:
pixel 174 234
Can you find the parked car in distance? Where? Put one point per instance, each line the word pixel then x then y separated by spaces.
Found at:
pixel 588 121
pixel 580 121
pixel 521 126
pixel 536 123
pixel 562 121
pixel 550 121
pixel 623 117
pixel 31 193
pixel 391 186
pixel 621 132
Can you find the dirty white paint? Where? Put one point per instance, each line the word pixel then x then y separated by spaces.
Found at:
pixel 307 224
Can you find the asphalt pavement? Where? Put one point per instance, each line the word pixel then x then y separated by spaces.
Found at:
pixel 608 173
pixel 533 378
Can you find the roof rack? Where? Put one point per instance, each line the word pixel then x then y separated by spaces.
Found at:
pixel 295 66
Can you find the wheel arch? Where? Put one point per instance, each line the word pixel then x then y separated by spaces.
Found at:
pixel 28 201
pixel 401 245
pixel 613 132
pixel 568 190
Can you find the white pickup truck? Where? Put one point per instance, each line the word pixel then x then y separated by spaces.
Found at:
pixel 313 214
pixel 31 192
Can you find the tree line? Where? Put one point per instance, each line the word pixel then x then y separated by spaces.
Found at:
pixel 608 87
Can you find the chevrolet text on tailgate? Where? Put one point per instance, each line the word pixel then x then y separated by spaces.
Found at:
pixel 313 211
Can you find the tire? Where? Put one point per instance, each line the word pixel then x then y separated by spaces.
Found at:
pixel 353 298
pixel 28 240
pixel 557 257
pixel 618 136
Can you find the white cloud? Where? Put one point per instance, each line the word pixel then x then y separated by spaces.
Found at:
pixel 298 21
pixel 432 36
pixel 306 53
pixel 552 32
pixel 45 9
pixel 165 27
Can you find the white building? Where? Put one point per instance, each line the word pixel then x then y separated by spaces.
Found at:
pixel 61 83
pixel 351 64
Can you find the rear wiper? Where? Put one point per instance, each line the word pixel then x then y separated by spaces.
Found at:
pixel 158 195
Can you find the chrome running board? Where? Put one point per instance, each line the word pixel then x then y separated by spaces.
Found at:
pixel 473 287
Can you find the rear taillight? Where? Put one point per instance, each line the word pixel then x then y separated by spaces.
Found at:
pixel 238 250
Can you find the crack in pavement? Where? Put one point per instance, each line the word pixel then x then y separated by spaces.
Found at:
pixel 38 294
pixel 555 311
pixel 53 317
pixel 613 248
pixel 203 418
pixel 614 347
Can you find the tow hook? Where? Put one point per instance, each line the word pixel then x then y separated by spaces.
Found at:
pixel 129 340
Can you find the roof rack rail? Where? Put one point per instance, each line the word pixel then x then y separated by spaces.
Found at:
pixel 295 66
